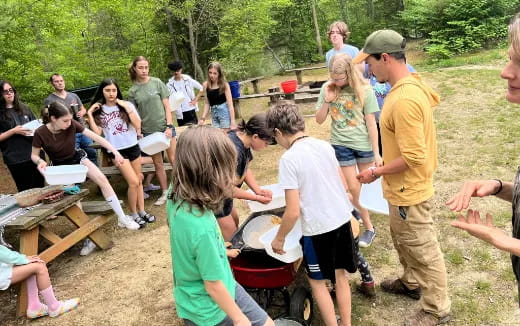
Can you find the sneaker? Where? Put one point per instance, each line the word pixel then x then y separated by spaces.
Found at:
pixel 423 318
pixel 128 222
pixel 149 218
pixel 161 200
pixel 365 240
pixel 151 187
pixel 368 289
pixel 88 248
pixel 65 306
pixel 146 195
pixel 397 287
pixel 33 314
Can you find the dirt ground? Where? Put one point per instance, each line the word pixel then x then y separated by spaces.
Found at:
pixel 131 284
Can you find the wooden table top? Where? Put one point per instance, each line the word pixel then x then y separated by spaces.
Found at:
pixel 33 217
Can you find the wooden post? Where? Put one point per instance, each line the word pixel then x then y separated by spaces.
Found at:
pixel 28 247
pixel 255 86
pixel 236 106
pixel 299 76
pixel 273 98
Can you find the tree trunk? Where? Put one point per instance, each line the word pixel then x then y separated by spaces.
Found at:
pixel 316 27
pixel 370 9
pixel 343 9
pixel 275 57
pixel 199 74
pixel 175 52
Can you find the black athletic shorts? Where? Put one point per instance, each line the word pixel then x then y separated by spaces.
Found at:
pixel 130 153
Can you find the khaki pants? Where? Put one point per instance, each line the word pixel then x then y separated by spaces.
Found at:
pixel 416 243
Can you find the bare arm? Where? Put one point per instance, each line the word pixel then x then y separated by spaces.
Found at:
pixel 321 114
pixel 13 131
pixel 218 292
pixel 290 217
pixel 480 188
pixel 370 120
pixel 396 166
pixel 36 159
pixel 206 103
pixel 91 122
pixel 134 118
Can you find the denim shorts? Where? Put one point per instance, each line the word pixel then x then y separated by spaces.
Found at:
pixel 348 156
pixel 256 315
pixel 220 116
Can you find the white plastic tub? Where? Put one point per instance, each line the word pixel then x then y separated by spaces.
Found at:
pixel 277 202
pixel 154 143
pixel 33 125
pixel 293 249
pixel 65 174
pixel 371 197
pixel 176 100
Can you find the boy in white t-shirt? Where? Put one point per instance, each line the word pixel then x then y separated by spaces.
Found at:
pixel 315 191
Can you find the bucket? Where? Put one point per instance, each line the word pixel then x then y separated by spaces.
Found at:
pixel 289 86
pixel 234 85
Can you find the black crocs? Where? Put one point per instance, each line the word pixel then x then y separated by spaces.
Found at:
pixel 139 220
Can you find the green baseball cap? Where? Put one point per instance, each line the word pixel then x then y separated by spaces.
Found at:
pixel 381 41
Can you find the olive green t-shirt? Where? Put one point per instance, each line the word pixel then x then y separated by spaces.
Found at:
pixel 198 255
pixel 148 99
pixel 348 126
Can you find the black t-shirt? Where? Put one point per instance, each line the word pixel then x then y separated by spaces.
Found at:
pixel 515 260
pixel 17 148
pixel 244 156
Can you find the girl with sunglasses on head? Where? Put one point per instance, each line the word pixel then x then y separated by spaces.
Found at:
pixel 120 124
pixel 15 140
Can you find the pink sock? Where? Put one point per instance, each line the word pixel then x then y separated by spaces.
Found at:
pixel 32 294
pixel 50 299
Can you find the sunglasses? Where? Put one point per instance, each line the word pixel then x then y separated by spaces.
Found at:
pixel 7 91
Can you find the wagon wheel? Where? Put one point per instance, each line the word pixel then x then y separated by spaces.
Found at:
pixel 301 305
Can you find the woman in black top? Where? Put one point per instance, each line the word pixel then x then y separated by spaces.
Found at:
pixel 15 140
pixel 218 99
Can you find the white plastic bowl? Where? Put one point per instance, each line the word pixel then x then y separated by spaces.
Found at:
pixel 33 125
pixel 293 249
pixel 277 202
pixel 371 197
pixel 65 174
pixel 154 143
pixel 176 100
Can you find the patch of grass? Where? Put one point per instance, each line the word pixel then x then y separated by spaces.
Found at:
pixel 454 256
pixel 483 285
pixel 474 58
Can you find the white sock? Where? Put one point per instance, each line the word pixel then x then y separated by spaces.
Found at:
pixel 113 201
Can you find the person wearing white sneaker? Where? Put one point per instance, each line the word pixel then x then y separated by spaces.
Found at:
pixel 57 138
pixel 16 267
pixel 151 187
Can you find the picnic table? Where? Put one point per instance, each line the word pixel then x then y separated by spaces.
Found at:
pixel 299 71
pixel 253 81
pixel 31 229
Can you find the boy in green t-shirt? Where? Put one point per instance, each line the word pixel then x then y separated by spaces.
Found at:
pixel 204 288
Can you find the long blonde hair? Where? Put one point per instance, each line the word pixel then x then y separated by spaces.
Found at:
pixel 342 63
pixel 514 33
pixel 221 80
pixel 204 171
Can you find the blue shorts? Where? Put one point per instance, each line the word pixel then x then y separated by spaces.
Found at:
pixel 256 315
pixel 348 156
pixel 220 116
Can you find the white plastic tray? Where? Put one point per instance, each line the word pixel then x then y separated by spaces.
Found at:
pixel 65 174
pixel 154 143
pixel 293 249
pixel 277 202
pixel 371 197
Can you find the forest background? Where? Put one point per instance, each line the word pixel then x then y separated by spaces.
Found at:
pixel 88 40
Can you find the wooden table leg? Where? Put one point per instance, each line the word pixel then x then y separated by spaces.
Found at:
pixel 255 86
pixel 236 106
pixel 28 247
pixel 79 218
pixel 299 77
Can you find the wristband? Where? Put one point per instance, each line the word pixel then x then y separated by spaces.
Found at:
pixel 499 187
pixel 170 126
pixel 373 171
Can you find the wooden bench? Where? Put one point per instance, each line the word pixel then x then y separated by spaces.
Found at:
pixel 112 170
pixel 31 229
pixel 253 81
pixel 98 207
pixel 299 71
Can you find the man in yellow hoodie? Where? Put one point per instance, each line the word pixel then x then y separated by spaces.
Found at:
pixel 410 159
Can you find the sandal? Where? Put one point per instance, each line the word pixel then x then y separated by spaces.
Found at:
pixel 139 220
pixel 33 314
pixel 149 218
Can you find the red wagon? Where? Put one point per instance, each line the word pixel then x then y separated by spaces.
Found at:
pixel 264 277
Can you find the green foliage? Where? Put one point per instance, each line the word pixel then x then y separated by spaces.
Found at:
pixel 458 26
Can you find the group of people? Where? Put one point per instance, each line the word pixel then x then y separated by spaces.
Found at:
pixel 321 182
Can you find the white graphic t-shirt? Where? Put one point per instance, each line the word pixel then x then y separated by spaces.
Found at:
pixel 116 131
